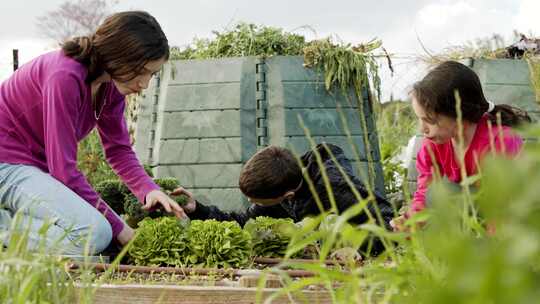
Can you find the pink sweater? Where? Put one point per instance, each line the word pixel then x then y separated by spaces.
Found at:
pixel 46 109
pixel 447 161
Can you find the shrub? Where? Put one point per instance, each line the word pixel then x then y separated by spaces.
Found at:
pixel 133 208
pixel 135 213
pixel 113 191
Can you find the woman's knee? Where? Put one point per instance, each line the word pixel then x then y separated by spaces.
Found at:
pixel 92 239
pixel 43 198
pixel 100 235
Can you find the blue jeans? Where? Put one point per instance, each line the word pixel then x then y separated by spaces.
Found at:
pixel 39 199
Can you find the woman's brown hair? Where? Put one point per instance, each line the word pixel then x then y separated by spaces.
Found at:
pixel 436 93
pixel 121 46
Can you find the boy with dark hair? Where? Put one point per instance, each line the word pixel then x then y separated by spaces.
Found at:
pixel 273 182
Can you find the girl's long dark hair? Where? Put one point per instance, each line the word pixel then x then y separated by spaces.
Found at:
pixel 436 93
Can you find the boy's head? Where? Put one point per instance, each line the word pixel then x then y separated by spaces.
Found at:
pixel 270 176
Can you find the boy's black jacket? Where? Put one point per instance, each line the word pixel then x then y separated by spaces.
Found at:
pixel 303 203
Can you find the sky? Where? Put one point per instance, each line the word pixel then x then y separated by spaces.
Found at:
pixel 407 28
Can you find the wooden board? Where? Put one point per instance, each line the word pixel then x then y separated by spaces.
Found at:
pixel 167 294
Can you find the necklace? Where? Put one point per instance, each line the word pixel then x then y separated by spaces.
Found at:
pixel 95 98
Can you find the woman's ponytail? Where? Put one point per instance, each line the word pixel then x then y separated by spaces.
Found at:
pixel 121 46
pixel 82 50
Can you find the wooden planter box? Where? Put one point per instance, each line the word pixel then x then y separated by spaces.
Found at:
pixel 234 286
pixel 166 294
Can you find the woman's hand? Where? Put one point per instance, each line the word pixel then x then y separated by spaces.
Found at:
pixel 156 197
pixel 190 206
pixel 125 235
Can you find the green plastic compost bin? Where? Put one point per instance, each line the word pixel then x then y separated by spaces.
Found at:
pixel 201 120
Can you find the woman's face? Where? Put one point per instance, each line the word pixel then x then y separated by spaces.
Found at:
pixel 440 129
pixel 140 82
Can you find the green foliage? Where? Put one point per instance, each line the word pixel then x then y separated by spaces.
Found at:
pixel 330 222
pixel 91 160
pixel 160 241
pixel 168 241
pixel 243 40
pixel 270 236
pixel 167 184
pixel 93 165
pixel 118 196
pixel 321 236
pixel 35 274
pixel 345 66
pixel 396 124
pixel 133 207
pixel 180 199
pixel 218 244
pixel 113 191
pixel 135 213
pixel 534 69
pixel 148 170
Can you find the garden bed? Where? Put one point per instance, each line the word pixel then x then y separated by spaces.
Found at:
pixel 147 284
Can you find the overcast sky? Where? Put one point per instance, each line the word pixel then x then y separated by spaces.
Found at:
pixel 400 24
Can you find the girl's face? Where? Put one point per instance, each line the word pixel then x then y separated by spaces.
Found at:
pixel 140 82
pixel 440 129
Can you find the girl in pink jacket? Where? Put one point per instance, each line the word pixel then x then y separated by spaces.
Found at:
pixel 434 103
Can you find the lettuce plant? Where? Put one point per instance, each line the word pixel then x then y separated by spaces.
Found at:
pixel 160 241
pixel 218 244
pixel 270 236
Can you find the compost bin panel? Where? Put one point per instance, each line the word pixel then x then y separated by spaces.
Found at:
pixel 295 92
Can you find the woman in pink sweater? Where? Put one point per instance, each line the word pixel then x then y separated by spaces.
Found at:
pixel 434 103
pixel 53 102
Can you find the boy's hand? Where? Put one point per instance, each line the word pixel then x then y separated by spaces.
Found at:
pixel 155 197
pixel 190 206
pixel 398 224
pixel 346 254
